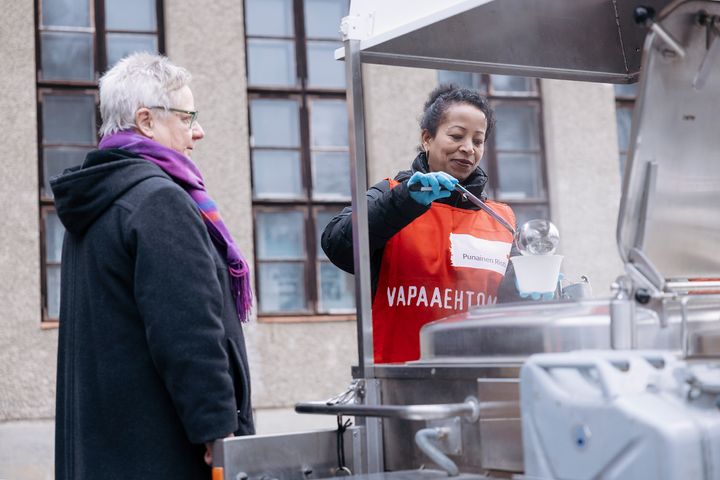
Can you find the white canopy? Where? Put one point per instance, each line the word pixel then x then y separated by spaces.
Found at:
pixel 593 40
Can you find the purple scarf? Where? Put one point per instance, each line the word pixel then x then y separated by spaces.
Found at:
pixel 186 174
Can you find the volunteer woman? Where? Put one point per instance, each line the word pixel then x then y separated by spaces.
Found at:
pixel 433 253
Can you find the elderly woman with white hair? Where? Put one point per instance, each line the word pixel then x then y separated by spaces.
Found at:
pixel 151 361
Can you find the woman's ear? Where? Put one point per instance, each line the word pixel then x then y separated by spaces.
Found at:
pixel 425 139
pixel 144 122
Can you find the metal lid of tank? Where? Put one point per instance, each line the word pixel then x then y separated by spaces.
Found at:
pixel 669 223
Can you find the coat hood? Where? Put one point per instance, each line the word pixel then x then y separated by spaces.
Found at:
pixel 84 192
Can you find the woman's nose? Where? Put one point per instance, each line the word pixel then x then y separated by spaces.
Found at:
pixel 467 146
pixel 197 132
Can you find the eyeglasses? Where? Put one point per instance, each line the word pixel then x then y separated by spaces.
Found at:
pixel 189 121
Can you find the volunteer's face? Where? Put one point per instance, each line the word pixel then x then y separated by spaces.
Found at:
pixel 459 143
pixel 173 129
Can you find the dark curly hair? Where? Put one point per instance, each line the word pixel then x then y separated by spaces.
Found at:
pixel 447 94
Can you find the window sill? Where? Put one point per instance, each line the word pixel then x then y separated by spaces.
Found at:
pixel 305 318
pixel 54 324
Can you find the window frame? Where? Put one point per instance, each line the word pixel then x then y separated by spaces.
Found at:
pixel 47 320
pixel 96 12
pixel 308 203
pixel 493 163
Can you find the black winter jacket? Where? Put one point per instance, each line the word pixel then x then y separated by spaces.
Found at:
pixel 151 357
pixel 392 209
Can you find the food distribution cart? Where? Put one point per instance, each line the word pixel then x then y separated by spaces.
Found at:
pixel 588 388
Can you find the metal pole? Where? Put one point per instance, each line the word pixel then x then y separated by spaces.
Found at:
pixel 361 251
pixel 358 172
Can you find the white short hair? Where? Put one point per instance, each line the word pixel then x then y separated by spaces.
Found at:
pixel 138 80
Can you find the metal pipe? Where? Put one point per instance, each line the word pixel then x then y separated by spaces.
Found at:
pixel 423 439
pixel 650 180
pixel 622 316
pixel 684 334
pixel 358 172
pixel 699 285
pixel 470 408
pixel 361 244
pixel 646 16
pixel 669 40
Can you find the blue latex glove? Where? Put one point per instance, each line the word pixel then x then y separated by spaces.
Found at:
pixel 538 295
pixel 441 186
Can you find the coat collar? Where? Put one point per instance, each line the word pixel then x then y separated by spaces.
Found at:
pixel 475 183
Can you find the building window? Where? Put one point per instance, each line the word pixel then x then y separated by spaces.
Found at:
pixel 77 41
pixel 624 104
pixel 514 156
pixel 299 155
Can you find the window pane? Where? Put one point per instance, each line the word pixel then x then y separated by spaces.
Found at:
pixel 626 90
pixel 120 45
pixel 322 18
pixel 328 123
pixel 506 83
pixel 282 287
pixel 276 174
pixel 67 56
pixel 280 235
pixel 331 175
pixel 52 286
pixel 271 62
pixel 69 119
pixel 56 160
pixel 337 289
pixel 462 79
pixel 269 17
pixel 624 123
pixel 274 123
pixel 517 127
pixel 519 176
pixel 131 15
pixel 66 13
pixel 523 213
pixel 54 232
pixel 323 70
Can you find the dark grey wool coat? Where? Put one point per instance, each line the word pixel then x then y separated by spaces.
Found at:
pixel 151 357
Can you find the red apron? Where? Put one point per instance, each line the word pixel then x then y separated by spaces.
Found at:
pixel 445 261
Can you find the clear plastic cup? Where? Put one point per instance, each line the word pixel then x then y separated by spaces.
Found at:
pixel 537 273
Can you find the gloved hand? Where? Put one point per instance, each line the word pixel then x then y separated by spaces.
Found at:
pixel 441 184
pixel 538 295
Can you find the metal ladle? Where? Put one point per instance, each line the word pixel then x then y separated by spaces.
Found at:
pixel 474 200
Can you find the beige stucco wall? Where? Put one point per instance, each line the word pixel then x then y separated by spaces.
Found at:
pixel 583 177
pixel 27 353
pixel 394 97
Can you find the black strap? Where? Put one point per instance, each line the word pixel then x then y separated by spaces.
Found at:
pixel 342 427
